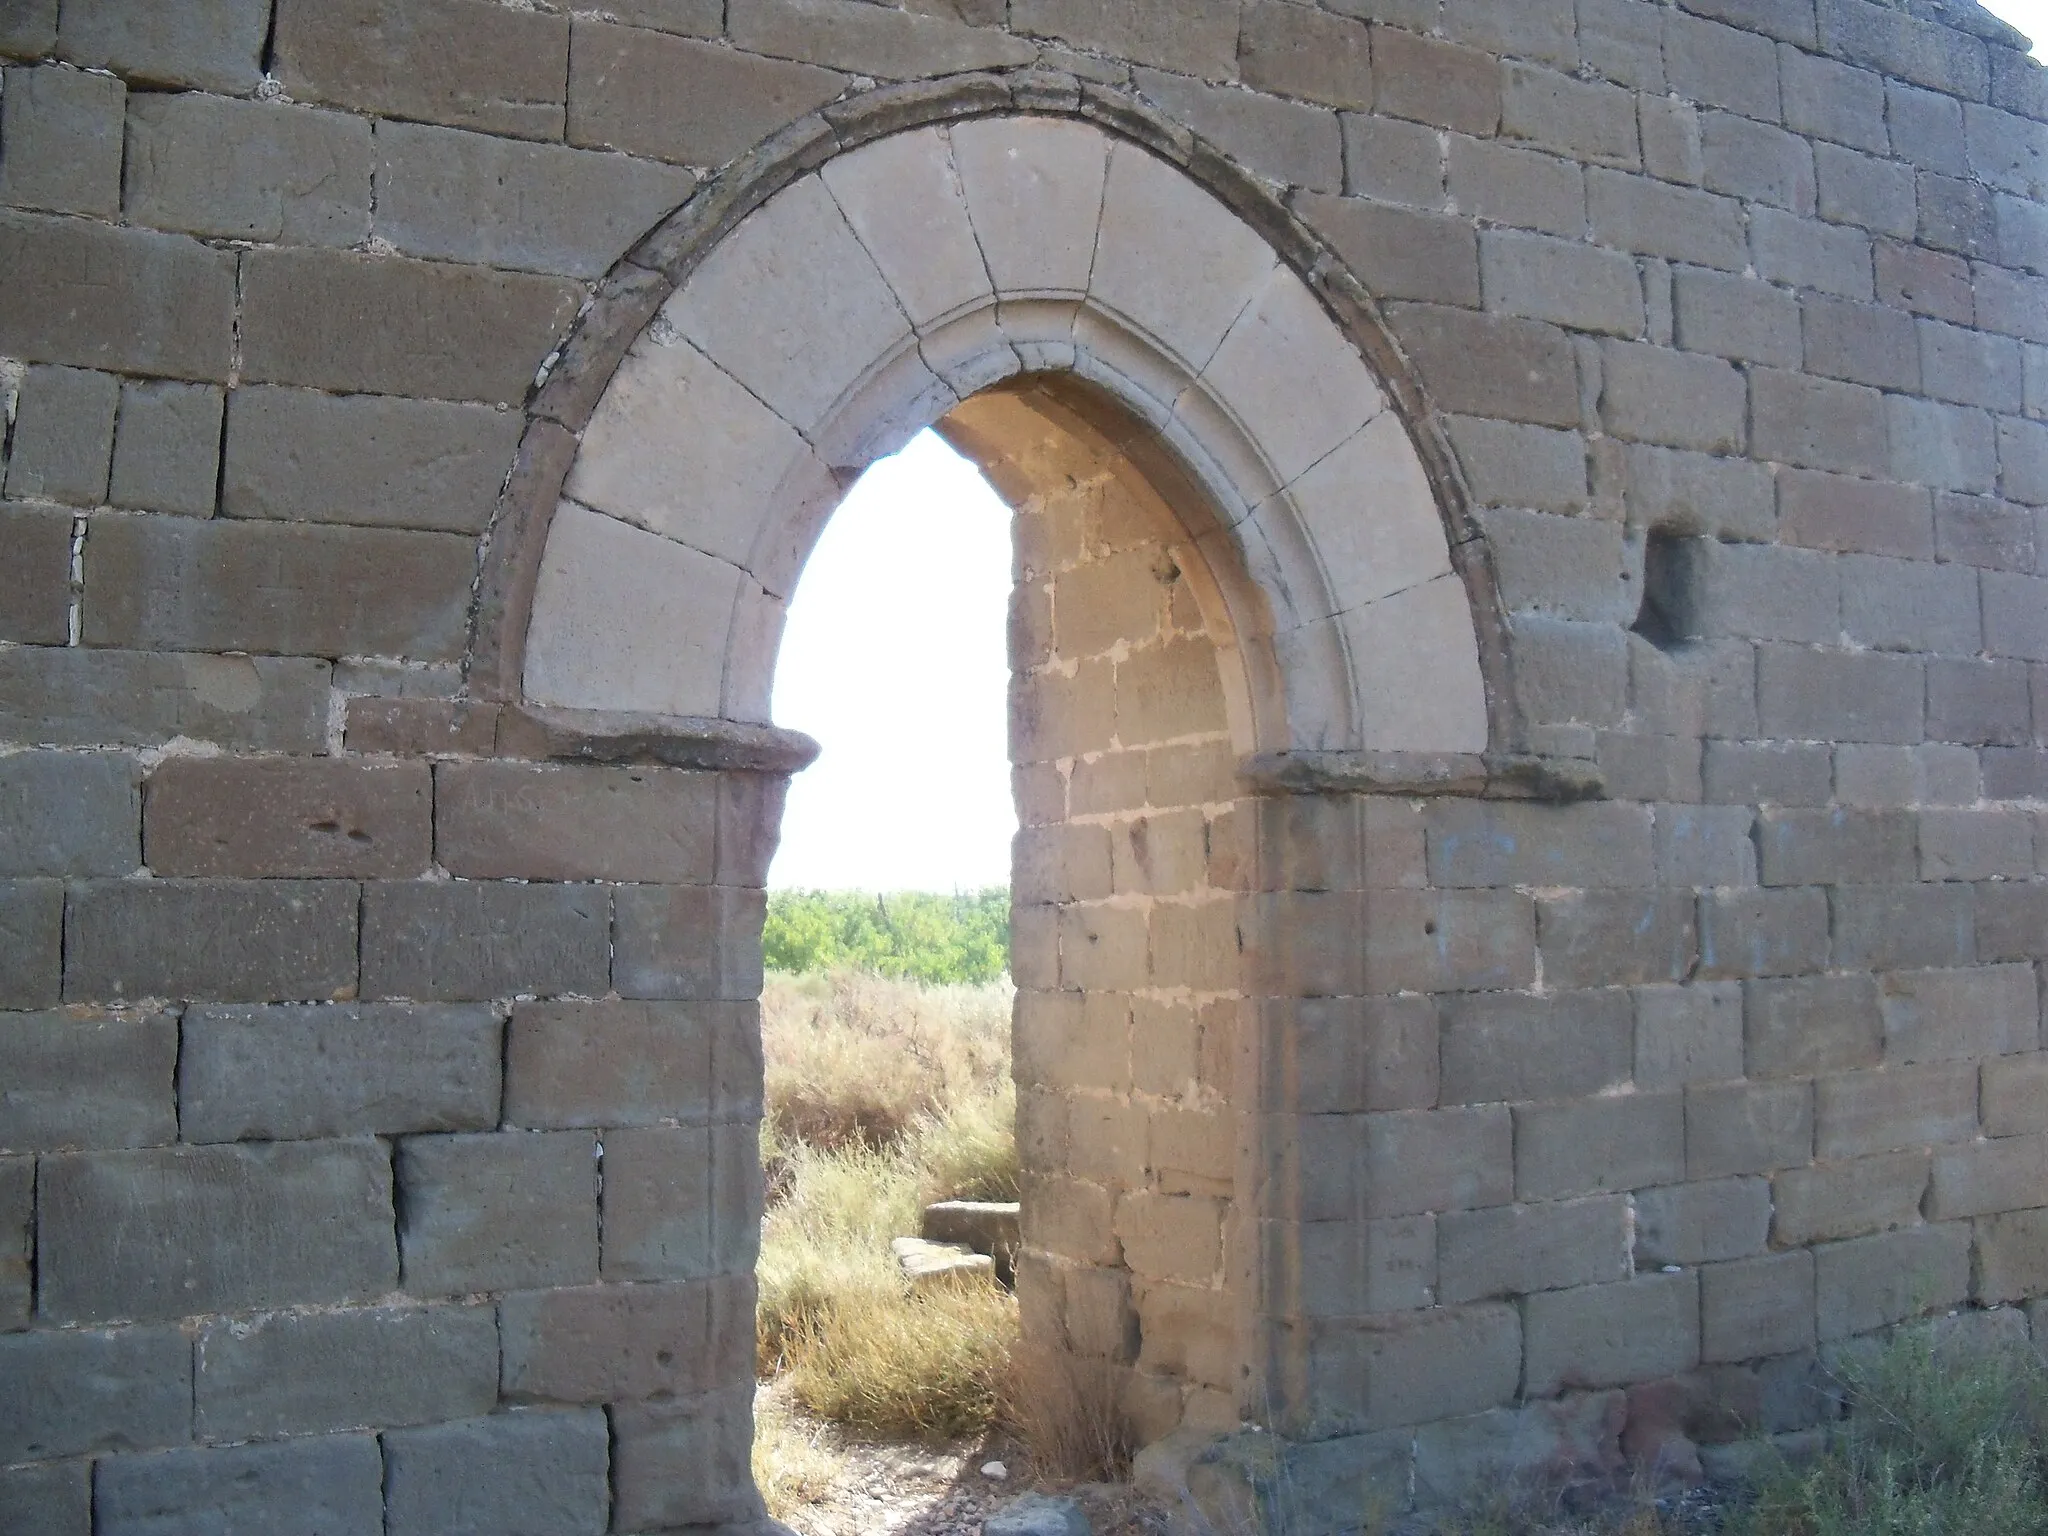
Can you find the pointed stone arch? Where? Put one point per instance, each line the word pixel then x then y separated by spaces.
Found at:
pixel 851 281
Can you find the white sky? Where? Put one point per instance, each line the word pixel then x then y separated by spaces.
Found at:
pixel 2030 16
pixel 894 659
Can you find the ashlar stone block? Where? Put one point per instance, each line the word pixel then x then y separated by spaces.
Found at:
pixel 495 1212
pixel 83 1078
pixel 292 1488
pixel 62 131
pixel 76 1392
pixel 187 1230
pixel 903 200
pixel 167 447
pixel 534 1473
pixel 248 170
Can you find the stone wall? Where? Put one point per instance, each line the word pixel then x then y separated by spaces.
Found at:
pixel 362 1014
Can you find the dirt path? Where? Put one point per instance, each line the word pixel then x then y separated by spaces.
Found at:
pixel 840 1485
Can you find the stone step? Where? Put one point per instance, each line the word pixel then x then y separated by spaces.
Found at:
pixel 928 1263
pixel 986 1226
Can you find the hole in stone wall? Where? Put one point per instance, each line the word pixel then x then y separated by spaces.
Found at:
pixel 1671 601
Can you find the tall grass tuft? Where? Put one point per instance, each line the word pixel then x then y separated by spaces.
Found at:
pixel 883 1096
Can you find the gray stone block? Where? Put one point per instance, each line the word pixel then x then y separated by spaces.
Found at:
pixel 386 325
pixel 1399 253
pixel 1927 128
pixel 687 941
pixel 1757 1307
pixel 1677 399
pixel 1517 187
pixel 1801 253
pixel 507 1211
pixel 1976 844
pixel 54 1499
pixel 1615 938
pixel 1823 511
pixel 1871 1282
pixel 62 130
pixel 1849 1199
pixel 232 941
pixel 1895 927
pixel 307 817
pixel 1735 317
pixel 552 822
pixel 1827 99
pixel 1701 845
pixel 1756 162
pixel 471 940
pixel 188 1230
pixel 31 943
pixel 1440 83
pixel 1624 41
pixel 685 1463
pixel 1705 589
pixel 891 45
pixel 75 697
pixel 2023 461
pixel 1569 567
pixel 82 1079
pixel 318 1372
pixel 1618 1142
pixel 532 1472
pixel 63 436
pixel 99 297
pixel 661 1200
pixel 1878 195
pixel 452 61
pixel 1455 1160
pixel 212 45
pixel 1610 1335
pixel 1800 1025
pixel 1861 343
pixel 2015 624
pixel 1702 1223
pixel 1763 933
pixel 181 584
pixel 1651 218
pixel 1510 465
pixel 1478 843
pixel 1580 119
pixel 1197 38
pixel 17 1241
pixel 1940 57
pixel 28 29
pixel 1960 1015
pixel 1813 695
pixel 167 447
pixel 1947 447
pixel 249 170
pixel 1537 380
pixel 2008 919
pixel 1910 605
pixel 1957 216
pixel 35 574
pixel 331 1486
pixel 72 1393
pixel 627 1343
pixel 1284 141
pixel 1514 1249
pixel 302 456
pixel 1894 1109
pixel 349 1069
pixel 631 1063
pixel 1747 1128
pixel 684 101
pixel 1697 493
pixel 458 196
pixel 1969 367
pixel 1984 531
pixel 1565 282
pixel 1688 1034
pixel 69 813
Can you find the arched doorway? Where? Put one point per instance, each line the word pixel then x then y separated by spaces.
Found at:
pixel 1233 566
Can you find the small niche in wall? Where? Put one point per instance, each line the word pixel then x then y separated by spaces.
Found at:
pixel 1670 612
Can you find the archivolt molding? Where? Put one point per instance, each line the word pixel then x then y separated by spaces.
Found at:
pixel 853 280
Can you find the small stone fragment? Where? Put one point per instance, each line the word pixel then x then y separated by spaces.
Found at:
pixel 1038 1514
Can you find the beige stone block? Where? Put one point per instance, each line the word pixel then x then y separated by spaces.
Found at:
pixel 792 305
pixel 1171 259
pixel 1171 1237
pixel 1369 510
pixel 758 617
pixel 1833 1200
pixel 1034 192
pixel 624 619
pixel 1988 1177
pixel 1415 665
pixel 680 448
pixel 1291 377
pixel 903 200
pixel 1875 1281
pixel 970 352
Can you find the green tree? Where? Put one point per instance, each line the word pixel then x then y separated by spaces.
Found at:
pixel 924 935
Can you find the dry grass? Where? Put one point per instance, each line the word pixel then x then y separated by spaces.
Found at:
pixel 1067 1411
pixel 882 1096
